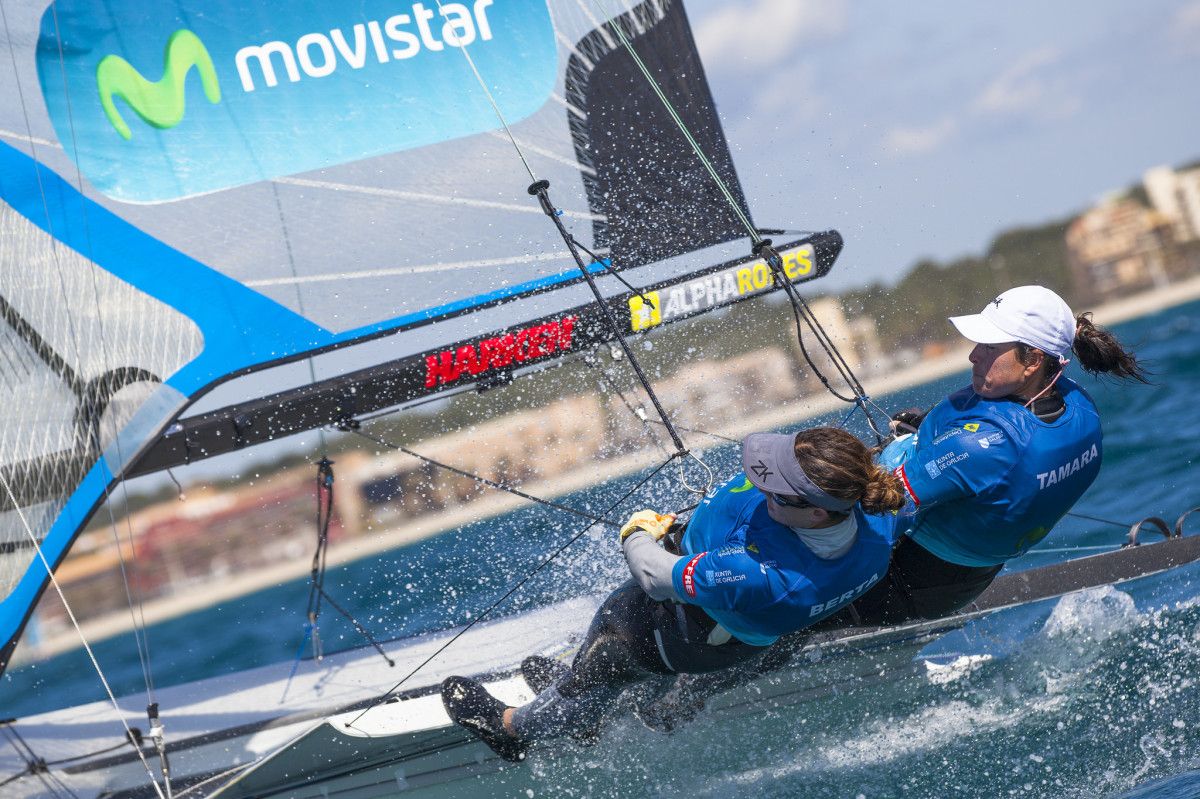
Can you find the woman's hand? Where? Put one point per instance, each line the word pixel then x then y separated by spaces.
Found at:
pixel 656 524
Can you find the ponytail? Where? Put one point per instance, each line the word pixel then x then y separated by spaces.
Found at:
pixel 841 466
pixel 1099 352
pixel 884 492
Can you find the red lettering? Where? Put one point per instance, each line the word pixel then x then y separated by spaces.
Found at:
pixel 508 349
pixel 465 359
pixel 521 351
pixel 540 343
pixel 566 327
pixel 491 354
pixel 439 369
pixel 529 344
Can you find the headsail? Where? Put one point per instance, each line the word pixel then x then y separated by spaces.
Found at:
pixel 192 191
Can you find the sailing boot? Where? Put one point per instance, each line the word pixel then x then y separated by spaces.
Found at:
pixel 541 672
pixel 470 705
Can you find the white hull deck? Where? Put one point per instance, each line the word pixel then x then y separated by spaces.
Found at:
pixel 240 737
pixel 233 737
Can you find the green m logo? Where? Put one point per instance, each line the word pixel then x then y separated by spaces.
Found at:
pixel 159 103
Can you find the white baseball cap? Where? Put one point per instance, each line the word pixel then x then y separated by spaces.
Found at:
pixel 1032 315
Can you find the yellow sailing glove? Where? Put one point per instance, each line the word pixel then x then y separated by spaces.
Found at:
pixel 656 524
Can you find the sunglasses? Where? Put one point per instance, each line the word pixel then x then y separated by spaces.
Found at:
pixel 790 502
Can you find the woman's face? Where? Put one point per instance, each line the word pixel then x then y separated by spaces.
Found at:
pixel 998 372
pixel 809 518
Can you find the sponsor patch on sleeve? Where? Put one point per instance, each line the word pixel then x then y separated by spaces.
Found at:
pixel 689 575
pixel 899 472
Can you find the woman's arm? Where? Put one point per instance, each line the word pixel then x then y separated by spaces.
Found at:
pixel 650 565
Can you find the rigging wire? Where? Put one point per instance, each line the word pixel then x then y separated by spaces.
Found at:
pixel 356 429
pixel 492 100
pixel 1123 525
pixel 801 310
pixel 699 432
pixel 75 623
pixel 540 189
pixel 138 618
pixel 316 583
pixel 512 590
pixel 612 270
pixel 761 245
pixel 35 765
pixel 639 412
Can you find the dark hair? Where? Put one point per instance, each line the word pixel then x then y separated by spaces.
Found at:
pixel 841 466
pixel 1097 350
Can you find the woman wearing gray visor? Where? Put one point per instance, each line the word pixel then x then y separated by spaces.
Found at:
pixel 797 536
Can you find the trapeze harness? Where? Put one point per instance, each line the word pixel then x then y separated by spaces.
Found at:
pixel 740 580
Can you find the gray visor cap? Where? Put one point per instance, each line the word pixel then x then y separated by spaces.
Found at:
pixel 769 460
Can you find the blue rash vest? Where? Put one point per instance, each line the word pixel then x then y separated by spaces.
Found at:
pixel 989 479
pixel 757 579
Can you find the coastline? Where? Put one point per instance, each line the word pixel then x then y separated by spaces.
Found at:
pixel 905 376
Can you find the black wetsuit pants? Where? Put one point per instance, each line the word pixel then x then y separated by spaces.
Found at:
pixel 632 639
pixel 918 585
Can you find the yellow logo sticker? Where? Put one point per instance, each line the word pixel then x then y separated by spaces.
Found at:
pixel 973 427
pixel 752 548
pixel 644 315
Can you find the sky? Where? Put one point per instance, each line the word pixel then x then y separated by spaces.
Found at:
pixel 924 129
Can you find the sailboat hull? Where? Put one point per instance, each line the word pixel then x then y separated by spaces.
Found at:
pixel 230 738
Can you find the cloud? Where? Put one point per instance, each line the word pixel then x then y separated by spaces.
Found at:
pixel 760 34
pixel 1019 87
pixel 1185 29
pixel 920 140
pixel 1028 87
pixel 789 95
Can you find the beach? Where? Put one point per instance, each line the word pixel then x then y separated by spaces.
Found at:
pixel 900 377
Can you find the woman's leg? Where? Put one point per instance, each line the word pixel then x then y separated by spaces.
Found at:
pixel 617 652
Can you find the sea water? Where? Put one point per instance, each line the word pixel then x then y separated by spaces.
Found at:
pixel 1097 694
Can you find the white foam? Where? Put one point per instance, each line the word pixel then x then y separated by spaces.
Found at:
pixel 1097 614
pixel 888 740
pixel 962 666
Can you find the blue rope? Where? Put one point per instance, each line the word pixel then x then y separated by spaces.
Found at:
pixel 308 628
pixel 860 403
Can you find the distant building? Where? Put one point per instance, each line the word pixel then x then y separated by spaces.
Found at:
pixel 1176 195
pixel 1121 246
pixel 173 546
pixel 537 444
pixel 708 394
pixel 856 339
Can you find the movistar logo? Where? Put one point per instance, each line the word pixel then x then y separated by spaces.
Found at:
pixel 744 487
pixel 336 81
pixel 159 103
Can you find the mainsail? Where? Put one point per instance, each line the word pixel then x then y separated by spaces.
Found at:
pixel 192 192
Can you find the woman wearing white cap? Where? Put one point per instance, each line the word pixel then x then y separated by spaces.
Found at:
pixel 800 534
pixel 994 466
pixel 991 469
